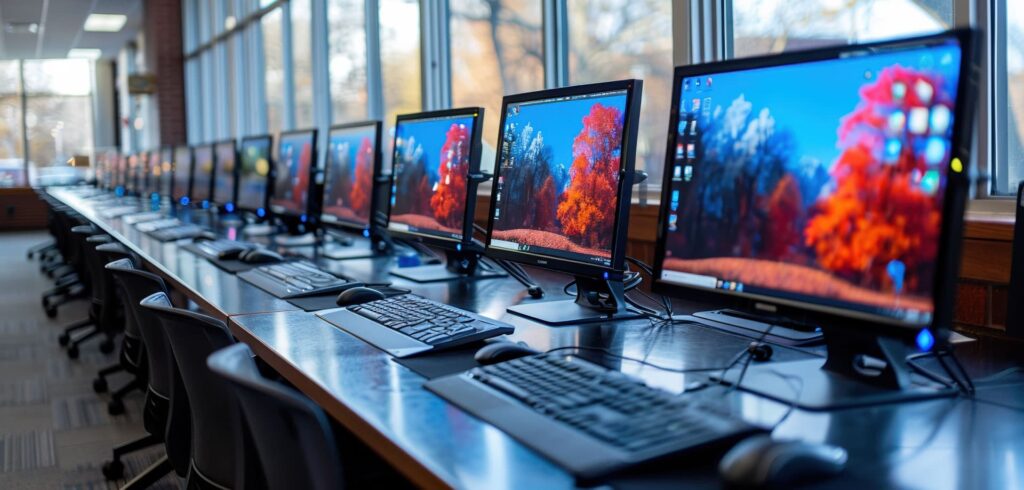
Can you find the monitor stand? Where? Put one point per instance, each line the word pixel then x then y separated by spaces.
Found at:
pixel 597 301
pixel 458 265
pixel 338 246
pixel 288 240
pixel 751 325
pixel 861 369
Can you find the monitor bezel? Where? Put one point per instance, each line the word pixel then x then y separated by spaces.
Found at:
pixel 948 258
pixel 217 173
pixel 467 242
pixel 267 181
pixel 195 170
pixel 378 166
pixel 627 171
pixel 310 194
pixel 176 195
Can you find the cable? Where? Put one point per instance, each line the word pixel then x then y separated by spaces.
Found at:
pixel 640 361
pixel 747 361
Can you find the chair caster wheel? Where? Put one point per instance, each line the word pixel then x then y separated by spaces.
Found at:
pixel 115 407
pixel 113 470
pixel 107 346
pixel 73 352
pixel 99 385
pixel 63 339
pixel 51 311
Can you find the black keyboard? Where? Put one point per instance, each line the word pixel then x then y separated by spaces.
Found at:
pixel 407 325
pixel 588 419
pixel 149 226
pixel 177 232
pixel 221 248
pixel 296 279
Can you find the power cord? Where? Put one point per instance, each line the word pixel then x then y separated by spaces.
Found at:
pixel 634 359
pixel 516 271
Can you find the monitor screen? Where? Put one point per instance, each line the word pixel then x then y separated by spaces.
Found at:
pixel 562 156
pixel 182 173
pixel 131 184
pixel 295 154
pixel 253 174
pixel 155 172
pixel 348 178
pixel 431 164
pixel 817 183
pixel 224 183
pixel 121 171
pixel 166 172
pixel 202 174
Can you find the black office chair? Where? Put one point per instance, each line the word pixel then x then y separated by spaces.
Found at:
pixel 166 416
pixel 219 458
pixel 105 314
pixel 132 359
pixel 293 437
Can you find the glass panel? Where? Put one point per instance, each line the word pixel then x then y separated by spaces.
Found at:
pixel 302 62
pixel 273 66
pixel 58 117
pixel 772 26
pixel 499 51
pixel 1009 170
pixel 618 39
pixel 347 41
pixel 400 63
pixel 12 164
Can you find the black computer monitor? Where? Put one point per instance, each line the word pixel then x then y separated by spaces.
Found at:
pixel 155 171
pixel 202 176
pixel 120 176
pixel 166 186
pixel 293 177
pixel 182 175
pixel 254 174
pixel 132 177
pixel 824 187
pixel 436 170
pixel 225 156
pixel 563 182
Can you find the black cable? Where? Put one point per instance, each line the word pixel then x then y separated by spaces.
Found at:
pixel 633 359
pixel 747 361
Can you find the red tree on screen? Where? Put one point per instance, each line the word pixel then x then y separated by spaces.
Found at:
pixel 362 188
pixel 882 211
pixel 783 224
pixel 545 201
pixel 449 199
pixel 587 208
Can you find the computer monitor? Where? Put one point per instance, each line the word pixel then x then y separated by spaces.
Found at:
pixel 563 184
pixel 826 187
pixel 131 184
pixel 120 173
pixel 166 187
pixel 254 174
pixel 182 174
pixel 436 170
pixel 225 156
pixel 293 177
pixel 156 173
pixel 202 175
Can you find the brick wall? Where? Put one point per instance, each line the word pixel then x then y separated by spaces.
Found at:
pixel 163 33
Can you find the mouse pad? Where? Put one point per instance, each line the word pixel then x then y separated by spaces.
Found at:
pixel 230 266
pixel 432 365
pixel 328 301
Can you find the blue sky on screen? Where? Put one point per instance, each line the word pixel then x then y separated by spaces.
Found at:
pixel 430 135
pixel 354 137
pixel 560 122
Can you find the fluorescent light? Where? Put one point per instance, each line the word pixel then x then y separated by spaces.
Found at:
pixel 87 53
pixel 105 22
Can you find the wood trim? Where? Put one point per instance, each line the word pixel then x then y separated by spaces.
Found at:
pixel 21 209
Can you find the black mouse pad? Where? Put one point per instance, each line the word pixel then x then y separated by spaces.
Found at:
pixel 328 301
pixel 230 266
pixel 432 365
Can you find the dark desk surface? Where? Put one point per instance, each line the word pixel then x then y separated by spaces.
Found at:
pixel 945 443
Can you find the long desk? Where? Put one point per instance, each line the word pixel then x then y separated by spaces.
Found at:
pixel 944 443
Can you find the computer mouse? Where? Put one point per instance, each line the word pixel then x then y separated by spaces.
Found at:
pixel 496 352
pixel 762 462
pixel 358 295
pixel 260 256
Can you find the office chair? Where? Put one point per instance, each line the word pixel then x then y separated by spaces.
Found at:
pixel 165 417
pixel 105 315
pixel 72 280
pixel 132 359
pixel 292 435
pixel 79 235
pixel 219 457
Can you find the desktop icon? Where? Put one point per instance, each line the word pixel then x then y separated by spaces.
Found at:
pixel 924 91
pixel 896 122
pixel 695 105
pixel 918 121
pixel 940 119
pixel 935 150
pixel 680 150
pixel 899 90
pixel 691 150
pixel 677 172
pixel 688 173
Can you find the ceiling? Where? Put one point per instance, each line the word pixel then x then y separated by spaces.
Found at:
pixel 60 27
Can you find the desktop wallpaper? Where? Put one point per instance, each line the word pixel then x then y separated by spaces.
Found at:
pixel 182 171
pixel 348 186
pixel 559 176
pixel 291 181
pixel 823 180
pixel 224 183
pixel 253 171
pixel 431 166
pixel 202 174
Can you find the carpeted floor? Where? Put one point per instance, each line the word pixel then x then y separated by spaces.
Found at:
pixel 54 430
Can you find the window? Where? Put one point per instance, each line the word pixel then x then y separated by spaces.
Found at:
pixel 302 61
pixel 496 50
pixel 619 39
pixel 58 115
pixel 347 66
pixel 12 153
pixel 772 26
pixel 1008 67
pixel 273 67
pixel 400 63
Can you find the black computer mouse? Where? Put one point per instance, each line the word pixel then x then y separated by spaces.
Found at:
pixel 496 352
pixel 260 256
pixel 358 295
pixel 765 463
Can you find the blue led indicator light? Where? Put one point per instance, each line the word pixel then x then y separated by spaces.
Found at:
pixel 261 212
pixel 184 201
pixel 366 233
pixel 230 207
pixel 925 340
pixel 605 275
pixel 302 218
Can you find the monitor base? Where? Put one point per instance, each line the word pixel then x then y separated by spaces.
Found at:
pixel 303 240
pixel 254 229
pixel 748 326
pixel 459 264
pixel 343 252
pixel 569 312
pixel 807 385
